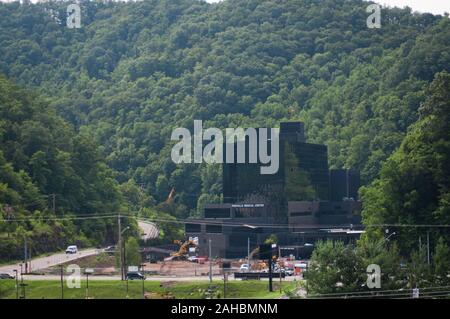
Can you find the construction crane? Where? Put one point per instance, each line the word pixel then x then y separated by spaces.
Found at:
pixel 169 199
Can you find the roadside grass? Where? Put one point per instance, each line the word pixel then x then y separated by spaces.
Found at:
pixel 116 289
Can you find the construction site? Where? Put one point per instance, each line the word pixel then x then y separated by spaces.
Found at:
pixel 181 263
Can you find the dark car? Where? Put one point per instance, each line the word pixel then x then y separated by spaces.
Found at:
pixel 6 276
pixel 135 275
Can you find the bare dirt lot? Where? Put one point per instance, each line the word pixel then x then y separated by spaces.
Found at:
pixel 104 265
pixel 182 268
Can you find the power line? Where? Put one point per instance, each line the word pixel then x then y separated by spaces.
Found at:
pixel 57 218
pixel 223 223
pixel 271 225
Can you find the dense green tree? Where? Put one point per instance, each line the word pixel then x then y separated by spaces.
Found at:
pixel 419 270
pixel 271 239
pixel 441 262
pixel 386 256
pixel 132 252
pixel 415 181
pixel 46 166
pixel 135 71
pixel 334 268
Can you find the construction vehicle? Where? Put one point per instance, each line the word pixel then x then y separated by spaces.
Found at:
pixel 260 265
pixel 183 252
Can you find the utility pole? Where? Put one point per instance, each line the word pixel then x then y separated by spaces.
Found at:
pixel 210 262
pixel 87 285
pixel 119 245
pixel 143 281
pixel 53 203
pixel 62 282
pixel 225 277
pixel 25 250
pixel 428 247
pixel 279 269
pixel 248 253
pixel 270 274
pixel 29 258
pixel 125 269
pixel 17 284
pixel 21 283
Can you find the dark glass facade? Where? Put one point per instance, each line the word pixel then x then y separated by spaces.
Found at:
pixel 344 184
pixel 303 202
pixel 244 182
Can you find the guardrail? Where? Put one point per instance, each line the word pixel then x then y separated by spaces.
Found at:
pixel 257 275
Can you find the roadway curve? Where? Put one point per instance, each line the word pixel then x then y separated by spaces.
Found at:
pixel 149 230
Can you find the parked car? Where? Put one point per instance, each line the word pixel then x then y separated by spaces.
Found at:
pixel 6 276
pixel 244 268
pixel 72 249
pixel 135 275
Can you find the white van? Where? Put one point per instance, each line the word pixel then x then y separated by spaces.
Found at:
pixel 72 250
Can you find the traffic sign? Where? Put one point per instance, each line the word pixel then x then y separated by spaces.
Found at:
pixel 89 271
pixel 133 268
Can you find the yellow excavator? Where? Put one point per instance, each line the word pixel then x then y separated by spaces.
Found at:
pixel 183 252
pixel 260 265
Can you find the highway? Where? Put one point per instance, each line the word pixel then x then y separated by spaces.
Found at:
pixel 154 278
pixel 49 261
pixel 149 229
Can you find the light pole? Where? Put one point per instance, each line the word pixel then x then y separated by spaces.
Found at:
pixel 387 238
pixel 88 271
pixel 143 281
pixel 21 282
pixel 62 281
pixel 17 284
pixel 25 257
pixel 210 262
pixel 248 253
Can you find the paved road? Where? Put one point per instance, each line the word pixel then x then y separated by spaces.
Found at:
pixel 150 230
pixel 110 278
pixel 151 278
pixel 53 260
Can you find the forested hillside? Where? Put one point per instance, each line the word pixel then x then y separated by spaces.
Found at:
pixel 135 71
pixel 40 157
pixel 414 184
